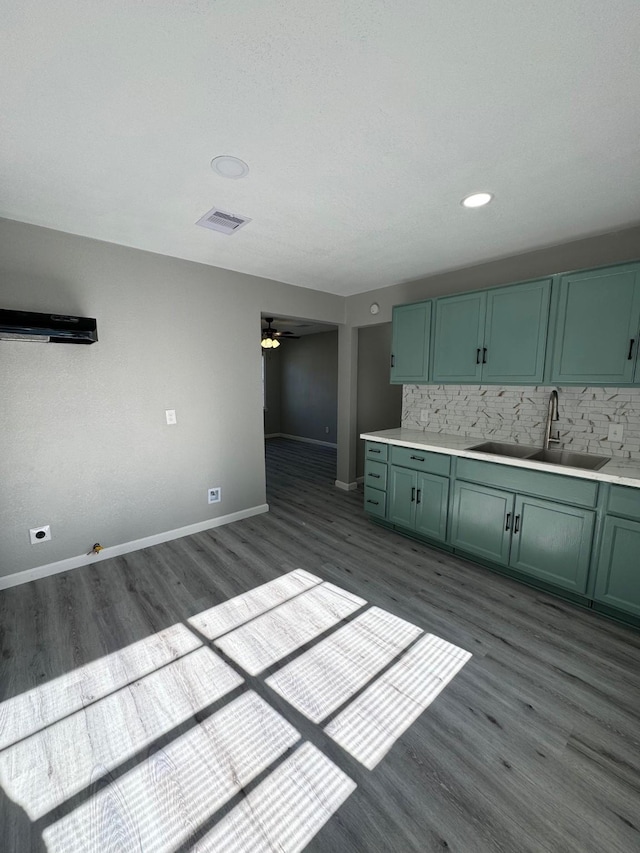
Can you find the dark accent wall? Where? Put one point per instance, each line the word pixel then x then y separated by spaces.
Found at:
pixel 309 386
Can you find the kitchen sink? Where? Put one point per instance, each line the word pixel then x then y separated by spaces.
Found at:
pixel 521 451
pixel 589 461
pixel 568 458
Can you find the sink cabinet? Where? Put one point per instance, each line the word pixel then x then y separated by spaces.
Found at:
pixel 544 539
pixel 552 541
pixel 482 519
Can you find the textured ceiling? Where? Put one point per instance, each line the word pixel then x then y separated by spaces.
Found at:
pixel 363 123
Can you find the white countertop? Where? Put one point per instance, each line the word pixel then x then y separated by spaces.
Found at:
pixel 621 471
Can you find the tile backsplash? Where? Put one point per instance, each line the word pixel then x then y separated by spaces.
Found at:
pixel 519 414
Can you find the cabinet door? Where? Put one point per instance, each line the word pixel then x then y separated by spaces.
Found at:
pixel 432 502
pixel 458 338
pixel 482 520
pixel 516 333
pixel 618 578
pixel 596 336
pixel 410 343
pixel 552 541
pixel 402 496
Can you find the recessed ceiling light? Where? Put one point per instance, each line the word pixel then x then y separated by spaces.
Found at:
pixel 476 200
pixel 229 167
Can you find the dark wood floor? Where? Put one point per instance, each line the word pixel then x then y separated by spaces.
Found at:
pixel 533 746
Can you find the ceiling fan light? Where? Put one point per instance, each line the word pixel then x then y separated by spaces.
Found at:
pixel 266 343
pixel 275 343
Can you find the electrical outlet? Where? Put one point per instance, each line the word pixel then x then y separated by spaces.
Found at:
pixel 326 429
pixel 616 431
pixel 424 415
pixel 215 495
pixel 171 416
pixel 40 534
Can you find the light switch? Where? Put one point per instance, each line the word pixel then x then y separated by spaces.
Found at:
pixel 616 432
pixel 171 416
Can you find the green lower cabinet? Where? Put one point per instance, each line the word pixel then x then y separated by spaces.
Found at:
pixel 618 576
pixel 482 519
pixel 552 541
pixel 544 539
pixel 432 503
pixel 419 502
pixel 375 502
pixel 402 496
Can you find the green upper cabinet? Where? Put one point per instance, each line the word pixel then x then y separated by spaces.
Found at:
pixel 458 338
pixel 493 336
pixel 515 337
pixel 596 334
pixel 411 343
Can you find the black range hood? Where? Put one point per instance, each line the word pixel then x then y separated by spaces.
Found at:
pixel 47 328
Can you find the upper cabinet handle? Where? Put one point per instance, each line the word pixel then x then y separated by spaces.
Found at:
pixel 393 360
pixel 631 343
pixel 484 355
pixel 478 356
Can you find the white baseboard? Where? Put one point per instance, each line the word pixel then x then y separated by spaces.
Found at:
pixel 272 435
pixel 126 547
pixel 301 438
pixel 346 487
pixel 359 480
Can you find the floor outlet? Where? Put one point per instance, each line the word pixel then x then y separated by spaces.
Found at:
pixel 40 534
pixel 215 495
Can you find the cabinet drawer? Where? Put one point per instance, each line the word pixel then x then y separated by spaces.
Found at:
pixel 376 450
pixel 624 501
pixel 375 474
pixel 375 502
pixel 421 460
pixel 557 487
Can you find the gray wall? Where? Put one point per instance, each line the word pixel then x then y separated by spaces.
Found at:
pixel 309 386
pixel 272 391
pixel 610 248
pixel 379 402
pixel 84 443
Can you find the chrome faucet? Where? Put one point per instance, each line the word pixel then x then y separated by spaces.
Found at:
pixel 552 415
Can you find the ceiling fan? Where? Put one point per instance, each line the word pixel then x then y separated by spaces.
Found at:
pixel 270 336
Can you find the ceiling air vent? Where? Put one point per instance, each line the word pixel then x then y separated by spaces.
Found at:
pixel 223 221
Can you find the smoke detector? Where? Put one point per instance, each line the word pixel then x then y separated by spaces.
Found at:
pixel 223 221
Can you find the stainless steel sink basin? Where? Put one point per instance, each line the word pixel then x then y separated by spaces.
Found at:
pixel 588 461
pixel 568 458
pixel 521 451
